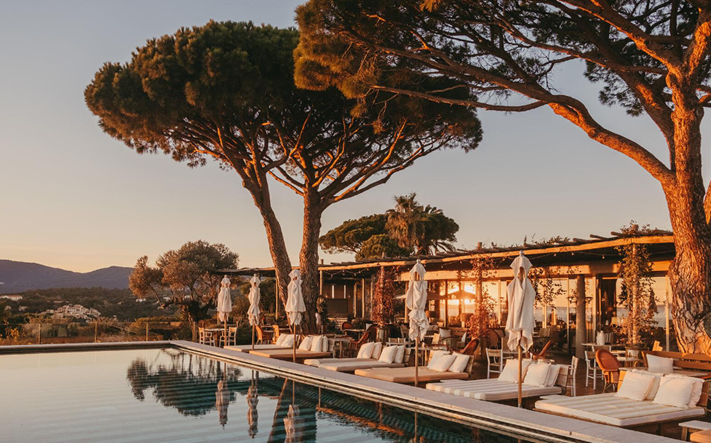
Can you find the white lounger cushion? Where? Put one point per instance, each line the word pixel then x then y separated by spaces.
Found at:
pixel 247 348
pixel 388 355
pixel 675 391
pixel 366 350
pixel 537 374
pixel 490 389
pixel 400 357
pixel 615 411
pixel 443 363
pixel 510 372
pixel 316 362
pixel 460 363
pixel 306 344
pixel 660 365
pixel 363 363
pixel 636 386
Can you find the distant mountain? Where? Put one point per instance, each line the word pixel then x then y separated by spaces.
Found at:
pixel 20 276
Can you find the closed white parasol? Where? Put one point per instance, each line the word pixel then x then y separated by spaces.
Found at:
pixel 295 306
pixel 254 295
pixel 253 311
pixel 416 301
pixel 224 300
pixel 520 323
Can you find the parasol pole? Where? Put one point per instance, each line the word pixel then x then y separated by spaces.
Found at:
pixel 294 348
pixel 417 347
pixel 520 395
pixel 415 425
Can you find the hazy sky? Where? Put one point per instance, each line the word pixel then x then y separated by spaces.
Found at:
pixel 72 197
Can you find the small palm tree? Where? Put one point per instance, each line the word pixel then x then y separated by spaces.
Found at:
pixel 423 230
pixel 405 221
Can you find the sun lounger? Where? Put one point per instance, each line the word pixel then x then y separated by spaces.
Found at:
pixel 407 375
pixel 288 354
pixel 496 390
pixel 615 411
pixel 248 348
pixel 490 389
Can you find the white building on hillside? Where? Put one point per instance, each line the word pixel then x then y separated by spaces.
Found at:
pixel 75 311
pixel 11 297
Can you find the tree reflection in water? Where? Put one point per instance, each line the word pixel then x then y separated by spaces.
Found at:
pixel 186 382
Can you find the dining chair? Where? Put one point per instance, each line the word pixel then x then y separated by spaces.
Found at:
pixel 570 382
pixel 494 361
pixel 231 338
pixel 592 371
pixel 206 337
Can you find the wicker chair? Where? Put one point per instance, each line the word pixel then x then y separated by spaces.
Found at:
pixel 471 347
pixel 276 332
pixel 346 325
pixel 610 368
pixel 262 335
pixel 544 351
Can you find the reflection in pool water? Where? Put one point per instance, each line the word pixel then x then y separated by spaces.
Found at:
pixel 195 385
pixel 191 384
pixel 166 395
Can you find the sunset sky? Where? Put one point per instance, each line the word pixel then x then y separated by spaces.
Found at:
pixel 74 198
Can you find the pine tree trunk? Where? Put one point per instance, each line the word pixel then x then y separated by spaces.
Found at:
pixel 308 257
pixel 275 235
pixel 690 272
pixel 690 280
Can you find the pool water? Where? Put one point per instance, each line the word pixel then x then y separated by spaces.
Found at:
pixel 167 395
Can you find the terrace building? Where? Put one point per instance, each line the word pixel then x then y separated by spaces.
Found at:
pixel 584 272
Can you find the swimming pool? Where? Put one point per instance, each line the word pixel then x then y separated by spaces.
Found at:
pixel 169 395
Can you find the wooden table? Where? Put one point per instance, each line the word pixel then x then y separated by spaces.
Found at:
pixel 693 426
pixel 701 437
pixel 357 333
pixel 338 343
pixel 217 332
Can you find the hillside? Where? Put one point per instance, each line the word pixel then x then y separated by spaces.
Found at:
pixel 119 303
pixel 20 276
